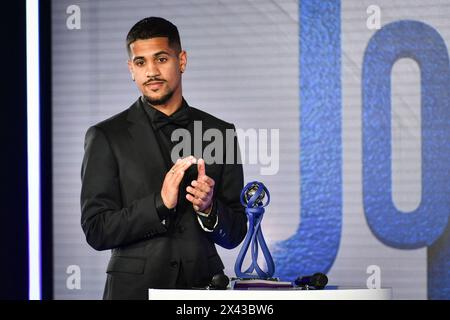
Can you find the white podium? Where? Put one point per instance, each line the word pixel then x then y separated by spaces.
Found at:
pixel 334 293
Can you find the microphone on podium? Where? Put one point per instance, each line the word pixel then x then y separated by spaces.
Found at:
pixel 317 280
pixel 219 282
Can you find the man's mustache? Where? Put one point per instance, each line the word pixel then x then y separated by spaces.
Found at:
pixel 153 80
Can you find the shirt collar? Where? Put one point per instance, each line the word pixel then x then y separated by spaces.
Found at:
pixel 154 113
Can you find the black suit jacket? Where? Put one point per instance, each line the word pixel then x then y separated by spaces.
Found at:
pixel 122 172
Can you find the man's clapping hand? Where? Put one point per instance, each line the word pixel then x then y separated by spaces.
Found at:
pixel 200 192
pixel 172 180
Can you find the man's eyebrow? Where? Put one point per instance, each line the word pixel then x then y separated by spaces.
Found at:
pixel 154 55
pixel 138 58
pixel 161 52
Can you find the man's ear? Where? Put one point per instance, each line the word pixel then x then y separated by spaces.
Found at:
pixel 182 57
pixel 130 68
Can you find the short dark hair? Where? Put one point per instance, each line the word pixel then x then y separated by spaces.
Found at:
pixel 152 27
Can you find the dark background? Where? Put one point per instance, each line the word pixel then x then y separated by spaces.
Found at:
pixel 13 162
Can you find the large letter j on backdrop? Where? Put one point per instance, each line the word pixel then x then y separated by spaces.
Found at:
pixel 314 246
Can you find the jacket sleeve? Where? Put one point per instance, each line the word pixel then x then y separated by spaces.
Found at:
pixel 232 220
pixel 105 221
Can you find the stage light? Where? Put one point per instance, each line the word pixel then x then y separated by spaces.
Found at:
pixel 33 150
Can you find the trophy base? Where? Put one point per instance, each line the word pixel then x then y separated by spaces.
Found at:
pixel 259 284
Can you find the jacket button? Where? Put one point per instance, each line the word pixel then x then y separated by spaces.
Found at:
pixel 173 264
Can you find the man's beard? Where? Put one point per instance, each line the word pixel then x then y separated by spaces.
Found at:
pixel 159 101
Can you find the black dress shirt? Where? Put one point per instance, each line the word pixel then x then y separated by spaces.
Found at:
pixel 163 126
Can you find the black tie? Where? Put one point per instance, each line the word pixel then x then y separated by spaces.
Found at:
pixel 180 119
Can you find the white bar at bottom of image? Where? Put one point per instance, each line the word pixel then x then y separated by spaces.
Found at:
pixel 338 294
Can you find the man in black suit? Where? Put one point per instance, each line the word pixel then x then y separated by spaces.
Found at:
pixel 161 216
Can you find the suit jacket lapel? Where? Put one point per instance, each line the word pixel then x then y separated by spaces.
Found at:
pixel 146 146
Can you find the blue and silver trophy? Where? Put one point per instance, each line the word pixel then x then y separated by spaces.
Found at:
pixel 252 198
